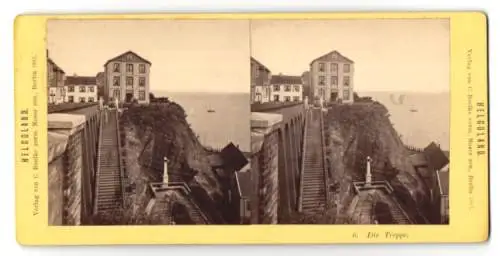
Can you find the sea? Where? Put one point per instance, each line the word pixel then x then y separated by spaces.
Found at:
pixel 228 122
pixel 420 118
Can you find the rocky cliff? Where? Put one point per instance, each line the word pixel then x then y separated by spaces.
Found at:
pixel 354 132
pixel 152 132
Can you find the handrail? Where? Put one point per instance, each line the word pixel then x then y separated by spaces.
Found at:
pixel 323 152
pixel 120 163
pixel 98 171
pixel 301 179
pixel 187 189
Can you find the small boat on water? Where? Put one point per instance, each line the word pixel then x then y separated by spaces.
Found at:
pixel 413 110
pixel 210 111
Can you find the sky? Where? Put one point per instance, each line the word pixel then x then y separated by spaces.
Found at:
pixel 213 55
pixel 186 55
pixel 389 55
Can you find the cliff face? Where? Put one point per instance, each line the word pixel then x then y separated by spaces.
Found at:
pixel 158 130
pixel 363 129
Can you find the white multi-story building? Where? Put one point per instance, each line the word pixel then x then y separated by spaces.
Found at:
pixel 331 78
pixel 80 89
pixel 286 88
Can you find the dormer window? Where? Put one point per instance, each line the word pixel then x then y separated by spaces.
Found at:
pixel 116 67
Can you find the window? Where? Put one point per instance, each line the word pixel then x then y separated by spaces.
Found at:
pixel 116 67
pixel 287 98
pixel 296 98
pixel 321 67
pixel 142 95
pixel 296 88
pixel 116 81
pixel 346 81
pixel 334 80
pixel 276 88
pixel 346 95
pixel 129 57
pixel 130 80
pixel 91 99
pixel 347 68
pixel 142 81
pixel 82 88
pixel 288 88
pixel 321 80
pixel 116 93
pixel 142 68
pixel 70 99
pixel 91 89
pixel 71 88
pixel 276 98
pixel 334 67
pixel 82 99
pixel 130 68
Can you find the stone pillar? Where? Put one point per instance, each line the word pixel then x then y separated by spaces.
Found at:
pixel 74 169
pixel 265 147
pixel 290 172
pixel 368 171
pixel 165 170
pixel 306 102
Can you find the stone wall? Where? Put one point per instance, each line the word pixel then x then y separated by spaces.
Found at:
pixel 265 149
pixel 72 167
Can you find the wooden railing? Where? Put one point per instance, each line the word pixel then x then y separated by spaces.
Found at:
pixel 301 178
pixel 120 157
pixel 98 172
pixel 186 190
pixel 323 155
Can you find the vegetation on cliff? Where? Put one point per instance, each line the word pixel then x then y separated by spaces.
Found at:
pixel 363 129
pixel 161 130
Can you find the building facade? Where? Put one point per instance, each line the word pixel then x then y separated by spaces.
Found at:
pixel 332 78
pixel 55 82
pixel 286 88
pixel 260 89
pixel 80 89
pixel 127 78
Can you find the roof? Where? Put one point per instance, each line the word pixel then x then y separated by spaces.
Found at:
pixel 244 181
pixel 119 57
pixel 233 158
pixel 260 64
pixel 56 67
pixel 436 158
pixel 329 56
pixel 281 79
pixel 80 80
pixel 443 178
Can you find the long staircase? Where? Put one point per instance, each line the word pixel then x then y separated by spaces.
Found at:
pixel 398 214
pixel 313 181
pixel 109 189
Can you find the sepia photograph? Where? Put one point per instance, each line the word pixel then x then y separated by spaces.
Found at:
pixel 350 121
pixel 148 122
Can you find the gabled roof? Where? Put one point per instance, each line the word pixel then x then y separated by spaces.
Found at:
pixel 328 56
pixel 281 79
pixel 56 68
pixel 233 158
pixel 436 158
pixel 123 54
pixel 260 64
pixel 80 80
